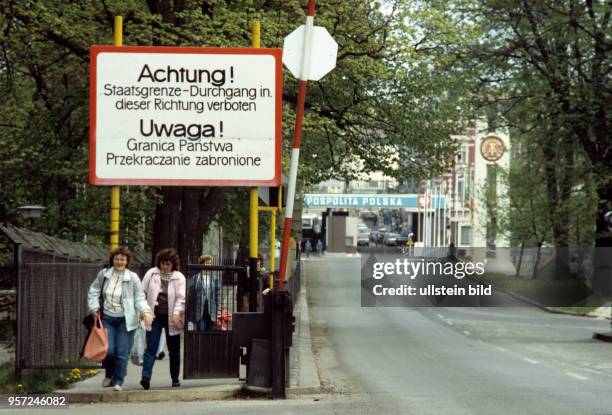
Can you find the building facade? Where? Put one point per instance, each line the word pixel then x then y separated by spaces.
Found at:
pixel 459 206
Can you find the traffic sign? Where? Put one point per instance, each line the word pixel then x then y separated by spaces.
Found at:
pixel 183 116
pixel 323 53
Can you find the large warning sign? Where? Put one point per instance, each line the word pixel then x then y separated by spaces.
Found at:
pixel 185 116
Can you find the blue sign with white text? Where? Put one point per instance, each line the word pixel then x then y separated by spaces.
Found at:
pixel 331 200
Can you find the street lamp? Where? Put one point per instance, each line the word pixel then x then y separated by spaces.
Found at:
pixel 31 211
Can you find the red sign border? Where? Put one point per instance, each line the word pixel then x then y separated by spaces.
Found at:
pixel 97 49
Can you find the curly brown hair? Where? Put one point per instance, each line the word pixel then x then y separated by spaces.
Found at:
pixel 121 250
pixel 168 254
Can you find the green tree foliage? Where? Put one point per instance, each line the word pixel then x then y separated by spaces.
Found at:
pixel 545 67
pixel 44 113
pixel 525 217
pixel 387 100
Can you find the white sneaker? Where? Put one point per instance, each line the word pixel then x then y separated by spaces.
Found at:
pixel 117 388
pixel 107 382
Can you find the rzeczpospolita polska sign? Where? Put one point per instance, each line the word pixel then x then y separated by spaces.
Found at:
pixel 185 116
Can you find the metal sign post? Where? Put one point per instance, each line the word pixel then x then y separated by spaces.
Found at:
pixel 312 69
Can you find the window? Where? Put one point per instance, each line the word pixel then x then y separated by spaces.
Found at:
pixel 460 186
pixel 462 155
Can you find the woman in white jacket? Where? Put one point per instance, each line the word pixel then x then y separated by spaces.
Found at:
pixel 123 303
pixel 164 287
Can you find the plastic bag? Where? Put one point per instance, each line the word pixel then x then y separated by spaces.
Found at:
pixel 138 347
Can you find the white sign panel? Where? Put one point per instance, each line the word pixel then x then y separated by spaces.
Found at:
pixel 322 56
pixel 185 116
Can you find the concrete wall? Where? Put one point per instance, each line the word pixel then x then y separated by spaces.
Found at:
pixel 336 228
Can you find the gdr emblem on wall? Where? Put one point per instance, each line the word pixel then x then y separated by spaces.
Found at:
pixel 492 148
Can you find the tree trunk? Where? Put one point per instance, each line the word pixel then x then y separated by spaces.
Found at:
pixel 537 261
pixel 559 186
pixel 520 260
pixel 185 213
pixel 183 217
pixel 209 207
pixel 167 221
pixel 188 229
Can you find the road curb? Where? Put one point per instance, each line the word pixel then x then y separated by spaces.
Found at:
pixel 156 395
pixel 216 393
pixel 306 390
pixel 574 313
pixel 551 309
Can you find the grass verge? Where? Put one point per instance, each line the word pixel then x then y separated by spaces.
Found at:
pixel 570 295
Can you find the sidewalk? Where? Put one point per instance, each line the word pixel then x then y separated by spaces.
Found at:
pixel 91 390
pixel 304 377
pixel 303 373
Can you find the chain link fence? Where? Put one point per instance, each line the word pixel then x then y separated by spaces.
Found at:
pixel 51 304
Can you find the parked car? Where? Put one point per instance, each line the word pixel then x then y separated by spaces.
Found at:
pixel 363 239
pixel 390 239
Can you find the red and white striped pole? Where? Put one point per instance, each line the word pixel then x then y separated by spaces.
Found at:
pixel 297 139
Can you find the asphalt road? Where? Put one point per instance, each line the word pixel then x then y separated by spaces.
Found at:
pixel 502 360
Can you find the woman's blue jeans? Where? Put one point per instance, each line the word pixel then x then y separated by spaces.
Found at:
pixel 119 346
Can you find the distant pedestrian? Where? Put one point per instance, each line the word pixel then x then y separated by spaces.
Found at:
pixel 319 247
pixel 410 245
pixel 452 252
pixel 123 302
pixel 206 289
pixel 308 248
pixel 164 286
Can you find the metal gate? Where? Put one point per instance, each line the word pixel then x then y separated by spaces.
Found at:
pixel 214 293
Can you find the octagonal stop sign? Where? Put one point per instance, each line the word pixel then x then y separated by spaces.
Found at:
pixel 323 53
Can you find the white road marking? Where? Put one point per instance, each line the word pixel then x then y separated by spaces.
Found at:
pixel 501 349
pixel 596 372
pixel 533 362
pixel 467 333
pixel 441 316
pixel 574 375
pixel 450 323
